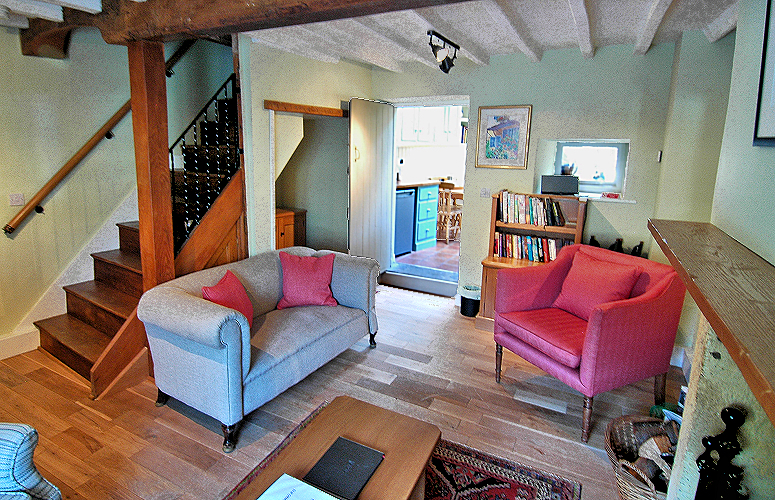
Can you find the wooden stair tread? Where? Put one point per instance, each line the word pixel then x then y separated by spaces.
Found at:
pixel 130 225
pixel 86 341
pixel 127 260
pixel 105 296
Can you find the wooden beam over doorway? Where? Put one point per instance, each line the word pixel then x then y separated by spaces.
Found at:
pixel 303 109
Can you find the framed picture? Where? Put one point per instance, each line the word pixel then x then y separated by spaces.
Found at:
pixel 764 126
pixel 502 137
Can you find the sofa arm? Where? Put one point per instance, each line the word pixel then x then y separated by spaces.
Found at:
pixel 634 338
pixel 354 284
pixel 193 318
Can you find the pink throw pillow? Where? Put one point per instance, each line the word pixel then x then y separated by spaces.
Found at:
pixel 306 281
pixel 592 281
pixel 230 292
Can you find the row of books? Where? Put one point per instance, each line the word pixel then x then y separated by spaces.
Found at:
pixel 515 208
pixel 535 248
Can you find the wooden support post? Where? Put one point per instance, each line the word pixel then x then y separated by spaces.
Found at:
pixel 149 122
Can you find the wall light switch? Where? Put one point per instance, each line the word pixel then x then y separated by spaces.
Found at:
pixel 484 193
pixel 16 199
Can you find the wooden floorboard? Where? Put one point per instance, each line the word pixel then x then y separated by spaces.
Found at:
pixel 430 363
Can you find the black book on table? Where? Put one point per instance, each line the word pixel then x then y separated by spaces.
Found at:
pixel 344 468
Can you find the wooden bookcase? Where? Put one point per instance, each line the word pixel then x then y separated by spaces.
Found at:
pixel 574 210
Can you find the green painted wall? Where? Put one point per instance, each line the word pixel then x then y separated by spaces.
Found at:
pixel 280 76
pixel 743 184
pixel 613 95
pixel 50 108
pixel 315 179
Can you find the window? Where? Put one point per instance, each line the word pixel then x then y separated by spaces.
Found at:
pixel 599 165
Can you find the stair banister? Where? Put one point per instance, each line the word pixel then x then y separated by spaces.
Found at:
pixel 41 195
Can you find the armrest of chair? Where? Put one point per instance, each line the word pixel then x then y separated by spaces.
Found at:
pixel 632 339
pixel 534 287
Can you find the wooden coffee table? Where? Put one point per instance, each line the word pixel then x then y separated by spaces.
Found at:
pixel 406 442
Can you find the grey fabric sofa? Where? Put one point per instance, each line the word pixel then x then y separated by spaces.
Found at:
pixel 206 356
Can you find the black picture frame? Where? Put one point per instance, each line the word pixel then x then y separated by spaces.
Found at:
pixel 764 125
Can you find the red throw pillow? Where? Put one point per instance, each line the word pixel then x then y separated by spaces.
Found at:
pixel 592 281
pixel 230 292
pixel 306 281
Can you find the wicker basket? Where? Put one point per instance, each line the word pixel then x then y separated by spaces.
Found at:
pixel 623 437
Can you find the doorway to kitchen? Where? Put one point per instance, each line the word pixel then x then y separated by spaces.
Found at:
pixel 430 154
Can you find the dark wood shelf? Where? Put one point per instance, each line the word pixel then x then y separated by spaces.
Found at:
pixel 734 289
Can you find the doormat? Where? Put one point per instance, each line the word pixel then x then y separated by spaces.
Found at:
pixel 457 472
pixel 462 473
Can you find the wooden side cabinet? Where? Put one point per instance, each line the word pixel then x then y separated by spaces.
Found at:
pixel 291 224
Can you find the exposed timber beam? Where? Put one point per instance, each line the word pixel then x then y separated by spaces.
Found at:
pixel 651 25
pixel 122 21
pixel 305 109
pixel 375 31
pixel 722 25
pixel 581 18
pixel 505 14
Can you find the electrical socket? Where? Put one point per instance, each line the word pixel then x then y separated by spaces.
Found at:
pixel 484 193
pixel 16 199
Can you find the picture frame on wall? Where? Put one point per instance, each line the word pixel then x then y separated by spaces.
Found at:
pixel 503 135
pixel 764 126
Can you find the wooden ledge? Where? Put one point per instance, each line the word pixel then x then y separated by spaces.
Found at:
pixel 303 109
pixel 735 291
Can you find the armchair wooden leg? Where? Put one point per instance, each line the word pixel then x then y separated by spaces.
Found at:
pixel 586 419
pixel 498 362
pixel 372 342
pixel 660 381
pixel 229 437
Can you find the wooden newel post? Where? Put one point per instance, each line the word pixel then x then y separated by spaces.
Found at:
pixel 149 123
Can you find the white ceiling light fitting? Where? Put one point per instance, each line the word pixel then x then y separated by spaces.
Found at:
pixel 444 50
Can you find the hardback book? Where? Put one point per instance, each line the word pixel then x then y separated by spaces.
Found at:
pixel 344 469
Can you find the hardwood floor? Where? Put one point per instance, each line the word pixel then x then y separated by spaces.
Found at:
pixel 430 363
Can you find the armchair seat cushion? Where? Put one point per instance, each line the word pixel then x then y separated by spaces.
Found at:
pixel 554 332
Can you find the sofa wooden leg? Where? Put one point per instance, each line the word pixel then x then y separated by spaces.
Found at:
pixel 498 362
pixel 161 398
pixel 229 437
pixel 372 342
pixel 660 381
pixel 586 419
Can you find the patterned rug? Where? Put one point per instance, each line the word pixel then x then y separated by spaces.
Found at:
pixel 456 472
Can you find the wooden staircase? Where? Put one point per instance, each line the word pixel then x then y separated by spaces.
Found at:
pixel 97 309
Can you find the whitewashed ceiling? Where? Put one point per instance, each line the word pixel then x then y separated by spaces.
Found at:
pixel 484 28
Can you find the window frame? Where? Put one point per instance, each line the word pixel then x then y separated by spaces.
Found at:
pixel 622 159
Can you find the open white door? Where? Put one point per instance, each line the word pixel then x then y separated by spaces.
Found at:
pixel 372 183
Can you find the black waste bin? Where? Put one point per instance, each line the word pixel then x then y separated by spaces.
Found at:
pixel 469 300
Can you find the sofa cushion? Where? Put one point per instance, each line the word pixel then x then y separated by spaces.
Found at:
pixel 282 333
pixel 592 281
pixel 230 292
pixel 554 332
pixel 306 281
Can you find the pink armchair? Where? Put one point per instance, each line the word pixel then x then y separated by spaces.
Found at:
pixel 592 318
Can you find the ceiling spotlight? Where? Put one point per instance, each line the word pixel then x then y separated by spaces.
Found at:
pixel 444 51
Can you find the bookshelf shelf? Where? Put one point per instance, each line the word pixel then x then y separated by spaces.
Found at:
pixel 574 211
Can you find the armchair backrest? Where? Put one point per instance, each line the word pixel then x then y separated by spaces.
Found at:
pixel 653 272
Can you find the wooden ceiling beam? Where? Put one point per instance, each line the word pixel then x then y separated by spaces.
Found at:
pixel 122 21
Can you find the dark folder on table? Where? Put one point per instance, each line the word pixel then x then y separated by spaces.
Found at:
pixel 344 468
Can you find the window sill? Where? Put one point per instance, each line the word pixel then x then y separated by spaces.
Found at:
pixel 596 197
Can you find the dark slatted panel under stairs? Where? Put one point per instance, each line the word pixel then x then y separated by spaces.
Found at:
pixel 204 159
pixel 96 309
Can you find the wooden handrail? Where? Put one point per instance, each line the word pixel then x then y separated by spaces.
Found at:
pixel 41 195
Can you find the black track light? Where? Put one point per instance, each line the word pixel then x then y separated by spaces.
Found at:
pixel 444 51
